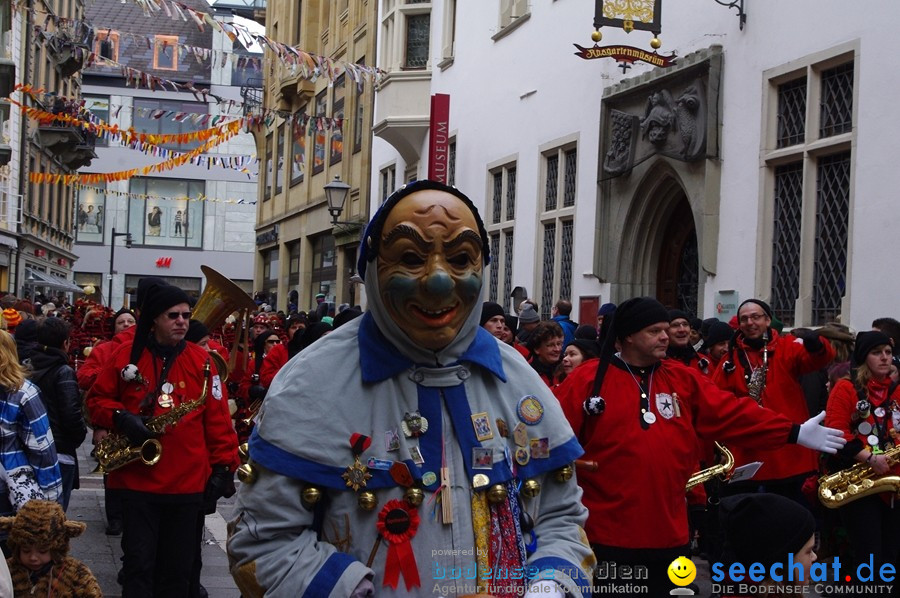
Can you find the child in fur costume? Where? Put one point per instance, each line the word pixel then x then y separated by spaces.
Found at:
pixel 39 542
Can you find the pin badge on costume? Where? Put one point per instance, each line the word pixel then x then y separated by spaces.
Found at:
pixel 530 410
pixel 873 440
pixel 429 478
pixel 864 428
pixel 523 456
pixel 594 405
pixel 540 448
pixel 480 480
pixel 879 412
pixel 482 424
pixel 649 417
pixel 482 458
pixel 165 401
pixel 665 404
pixel 167 388
pixel 356 475
pixel 414 425
pixel 391 441
pixel 520 434
pixel 416 455
pixel 382 464
pixel 502 428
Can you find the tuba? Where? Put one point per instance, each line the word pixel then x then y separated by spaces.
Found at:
pixel 858 481
pixel 115 450
pixel 722 471
pixel 221 298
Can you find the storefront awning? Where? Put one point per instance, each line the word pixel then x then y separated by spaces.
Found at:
pixel 36 278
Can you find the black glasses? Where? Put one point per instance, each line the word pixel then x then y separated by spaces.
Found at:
pixel 273 341
pixel 174 315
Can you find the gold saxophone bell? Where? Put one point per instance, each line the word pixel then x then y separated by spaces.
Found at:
pixel 150 451
pixel 722 471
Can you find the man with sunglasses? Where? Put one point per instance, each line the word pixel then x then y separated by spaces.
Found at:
pixel 146 378
pixel 767 366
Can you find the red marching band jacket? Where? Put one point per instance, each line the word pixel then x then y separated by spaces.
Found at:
pixel 200 439
pixel 787 360
pixel 636 496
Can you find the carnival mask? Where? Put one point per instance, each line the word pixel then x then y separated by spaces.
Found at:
pixel 430 266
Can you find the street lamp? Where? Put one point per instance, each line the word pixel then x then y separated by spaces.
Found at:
pixel 112 256
pixel 336 194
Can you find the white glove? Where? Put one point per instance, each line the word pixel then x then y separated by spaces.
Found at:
pixel 365 589
pixel 544 588
pixel 820 438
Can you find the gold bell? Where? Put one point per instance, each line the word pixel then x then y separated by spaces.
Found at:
pixel 311 495
pixel 414 496
pixel 531 488
pixel 564 474
pixel 596 35
pixel 244 452
pixel 655 43
pixel 367 500
pixel 497 493
pixel 246 473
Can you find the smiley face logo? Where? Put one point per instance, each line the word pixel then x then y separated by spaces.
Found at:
pixel 682 571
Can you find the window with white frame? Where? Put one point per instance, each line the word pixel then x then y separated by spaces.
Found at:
pixel 406 34
pixel 388 177
pixel 811 110
pixel 559 167
pixel 511 11
pixel 449 34
pixel 500 229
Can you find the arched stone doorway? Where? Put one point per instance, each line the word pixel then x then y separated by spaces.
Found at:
pixel 678 278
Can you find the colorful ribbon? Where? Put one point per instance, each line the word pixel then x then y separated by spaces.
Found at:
pixel 398 523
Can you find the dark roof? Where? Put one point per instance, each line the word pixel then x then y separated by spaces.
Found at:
pixel 134 52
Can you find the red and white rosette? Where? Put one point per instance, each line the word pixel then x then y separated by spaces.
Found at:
pixel 398 523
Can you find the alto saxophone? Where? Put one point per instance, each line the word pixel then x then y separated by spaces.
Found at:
pixel 858 481
pixel 722 471
pixel 116 450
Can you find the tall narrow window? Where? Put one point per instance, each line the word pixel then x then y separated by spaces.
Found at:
pixel 319 143
pixel 337 112
pixel 501 231
pixel 558 170
pixel 418 31
pixel 809 193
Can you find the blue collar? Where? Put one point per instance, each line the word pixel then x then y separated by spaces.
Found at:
pixel 380 360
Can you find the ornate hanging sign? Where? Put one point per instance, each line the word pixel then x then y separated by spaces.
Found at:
pixel 626 55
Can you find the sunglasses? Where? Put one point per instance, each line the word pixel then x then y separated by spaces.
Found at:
pixel 273 342
pixel 174 315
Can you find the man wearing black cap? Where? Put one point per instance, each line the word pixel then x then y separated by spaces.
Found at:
pixel 767 366
pixel 639 416
pixel 147 378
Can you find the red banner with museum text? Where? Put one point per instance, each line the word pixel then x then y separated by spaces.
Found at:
pixel 439 139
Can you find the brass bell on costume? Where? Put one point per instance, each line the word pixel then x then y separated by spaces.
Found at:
pixel 246 473
pixel 311 495
pixel 531 488
pixel 367 500
pixel 497 494
pixel 414 496
pixel 564 474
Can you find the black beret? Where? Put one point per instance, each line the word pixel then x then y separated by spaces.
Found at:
pixel 679 314
pixel 718 332
pixel 196 331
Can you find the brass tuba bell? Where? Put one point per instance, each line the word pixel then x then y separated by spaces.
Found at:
pixel 220 298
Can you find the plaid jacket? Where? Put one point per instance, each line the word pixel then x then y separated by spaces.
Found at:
pixel 26 439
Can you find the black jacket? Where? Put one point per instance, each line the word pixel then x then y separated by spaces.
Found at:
pixel 61 397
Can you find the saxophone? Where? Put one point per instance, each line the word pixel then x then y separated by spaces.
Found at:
pixel 116 451
pixel 855 482
pixel 722 471
pixel 757 382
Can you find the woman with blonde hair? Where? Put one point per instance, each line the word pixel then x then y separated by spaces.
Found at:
pixel 27 450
